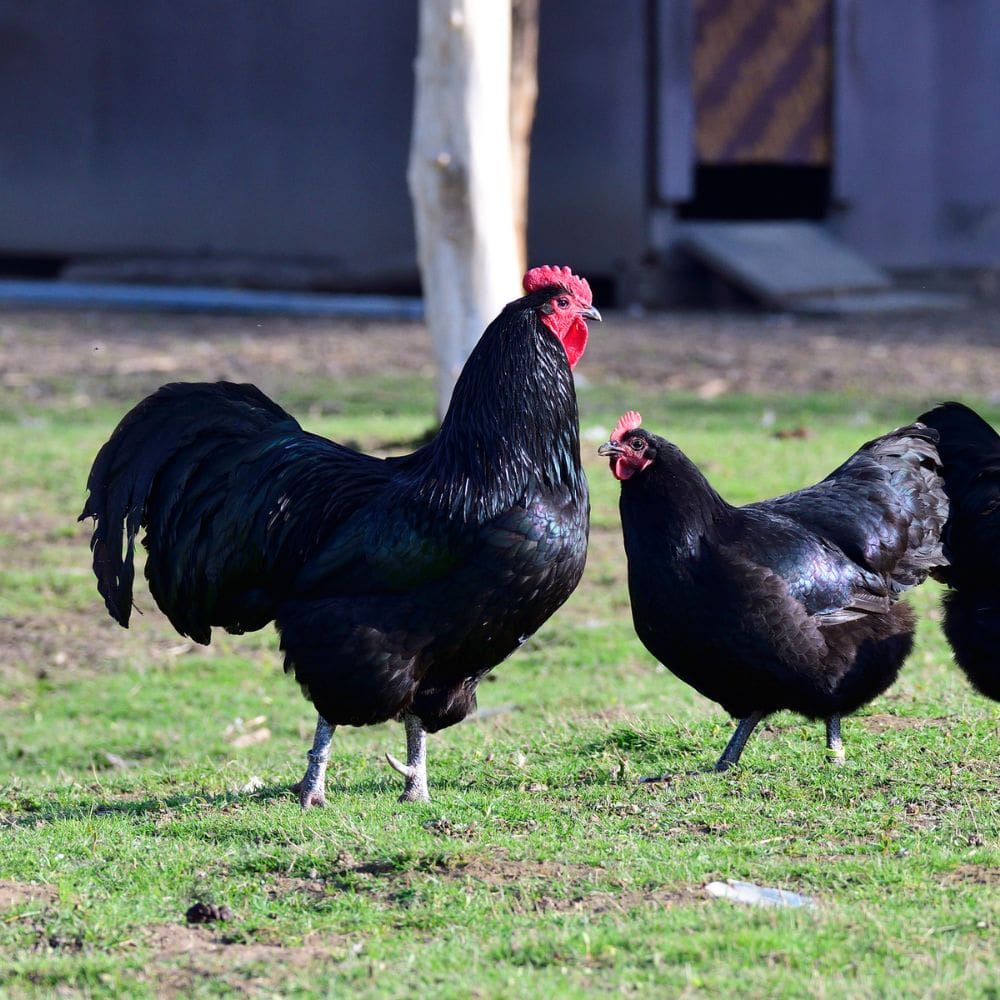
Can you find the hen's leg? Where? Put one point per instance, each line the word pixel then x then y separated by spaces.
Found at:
pixel 834 744
pixel 311 787
pixel 415 768
pixel 731 755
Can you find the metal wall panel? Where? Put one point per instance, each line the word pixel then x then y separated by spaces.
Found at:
pixel 236 127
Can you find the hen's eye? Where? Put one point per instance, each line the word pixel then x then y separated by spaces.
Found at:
pixel 637 444
pixel 562 302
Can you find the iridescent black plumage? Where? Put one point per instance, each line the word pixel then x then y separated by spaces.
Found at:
pixel 789 603
pixel 395 584
pixel 970 453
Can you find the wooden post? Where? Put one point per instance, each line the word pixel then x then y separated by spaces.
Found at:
pixel 460 175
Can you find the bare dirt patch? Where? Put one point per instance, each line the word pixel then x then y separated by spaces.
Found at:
pixel 500 869
pixel 527 885
pixel 116 356
pixel 94 356
pixel 618 902
pixel 48 646
pixel 714 354
pixel 497 869
pixel 972 874
pixel 182 957
pixel 286 885
pixel 18 893
pixel 881 723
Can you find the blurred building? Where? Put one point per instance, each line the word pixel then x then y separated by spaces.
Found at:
pixel 266 140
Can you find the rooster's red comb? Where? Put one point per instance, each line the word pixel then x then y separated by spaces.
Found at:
pixel 543 277
pixel 626 422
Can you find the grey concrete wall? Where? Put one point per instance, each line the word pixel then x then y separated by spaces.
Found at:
pixel 589 154
pixel 280 129
pixel 967 219
pixel 917 131
pixel 243 127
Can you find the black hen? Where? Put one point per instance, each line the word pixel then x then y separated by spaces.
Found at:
pixel 395 584
pixel 789 603
pixel 970 454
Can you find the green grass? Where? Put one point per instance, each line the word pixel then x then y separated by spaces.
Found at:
pixel 542 867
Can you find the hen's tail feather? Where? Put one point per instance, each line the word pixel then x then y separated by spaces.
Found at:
pixel 910 455
pixel 162 432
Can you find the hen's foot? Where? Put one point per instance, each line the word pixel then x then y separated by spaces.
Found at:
pixel 734 748
pixel 311 788
pixel 834 744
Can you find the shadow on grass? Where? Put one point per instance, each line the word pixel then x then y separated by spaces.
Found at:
pixel 40 815
pixel 377 788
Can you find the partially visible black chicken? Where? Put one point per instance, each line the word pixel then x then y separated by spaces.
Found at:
pixel 970 454
pixel 395 584
pixel 789 603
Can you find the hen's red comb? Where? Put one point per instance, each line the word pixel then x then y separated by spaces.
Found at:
pixel 626 422
pixel 542 277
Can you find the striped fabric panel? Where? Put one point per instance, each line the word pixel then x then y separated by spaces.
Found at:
pixel 762 81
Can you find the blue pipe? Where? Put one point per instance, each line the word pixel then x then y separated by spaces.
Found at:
pixel 178 298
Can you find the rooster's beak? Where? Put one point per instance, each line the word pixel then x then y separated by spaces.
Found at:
pixel 591 313
pixel 610 449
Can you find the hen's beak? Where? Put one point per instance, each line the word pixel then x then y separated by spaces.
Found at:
pixel 610 448
pixel 591 313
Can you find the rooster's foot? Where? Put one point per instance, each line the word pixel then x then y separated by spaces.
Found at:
pixel 415 768
pixel 415 789
pixel 308 795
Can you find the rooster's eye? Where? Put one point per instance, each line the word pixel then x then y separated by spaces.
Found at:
pixel 637 444
pixel 562 302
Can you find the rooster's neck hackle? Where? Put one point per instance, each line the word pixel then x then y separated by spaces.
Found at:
pixel 512 425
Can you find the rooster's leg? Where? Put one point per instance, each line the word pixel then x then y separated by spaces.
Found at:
pixel 311 787
pixel 731 755
pixel 415 768
pixel 834 744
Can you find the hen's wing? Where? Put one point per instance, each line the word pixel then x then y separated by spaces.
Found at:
pixel 883 509
pixel 814 572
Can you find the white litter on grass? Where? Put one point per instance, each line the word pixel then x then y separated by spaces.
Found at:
pixel 756 895
pixel 120 762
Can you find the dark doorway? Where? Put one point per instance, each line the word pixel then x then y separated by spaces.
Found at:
pixel 758 191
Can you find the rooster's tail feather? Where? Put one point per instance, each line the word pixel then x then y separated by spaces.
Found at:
pixel 155 452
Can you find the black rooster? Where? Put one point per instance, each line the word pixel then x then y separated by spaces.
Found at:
pixel 396 584
pixel 789 603
pixel 970 454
